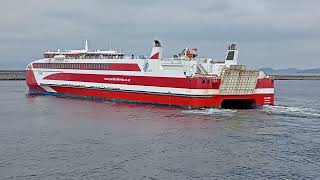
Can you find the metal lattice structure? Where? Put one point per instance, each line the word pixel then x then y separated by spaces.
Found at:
pixel 238 80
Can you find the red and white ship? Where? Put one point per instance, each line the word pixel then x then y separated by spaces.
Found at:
pixel 184 80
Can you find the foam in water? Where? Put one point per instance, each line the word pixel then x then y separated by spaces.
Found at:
pixel 212 111
pixel 292 111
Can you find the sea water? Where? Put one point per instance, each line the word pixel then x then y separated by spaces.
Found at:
pixel 46 137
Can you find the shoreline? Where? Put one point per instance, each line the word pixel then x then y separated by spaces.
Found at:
pixel 12 75
pixel 18 75
pixel 295 77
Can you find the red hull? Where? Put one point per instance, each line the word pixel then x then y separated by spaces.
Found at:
pixel 152 98
pixel 183 101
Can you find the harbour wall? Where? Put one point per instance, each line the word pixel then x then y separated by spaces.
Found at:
pixel 20 75
pixel 295 77
pixel 12 74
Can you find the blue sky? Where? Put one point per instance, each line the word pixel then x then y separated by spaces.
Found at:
pixel 269 33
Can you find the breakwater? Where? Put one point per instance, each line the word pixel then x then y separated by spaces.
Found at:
pixel 20 75
pixel 295 77
pixel 12 74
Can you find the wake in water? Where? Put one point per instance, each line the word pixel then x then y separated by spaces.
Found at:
pixel 272 110
pixel 292 111
pixel 212 111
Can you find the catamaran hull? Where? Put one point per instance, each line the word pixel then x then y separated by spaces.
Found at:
pixel 199 98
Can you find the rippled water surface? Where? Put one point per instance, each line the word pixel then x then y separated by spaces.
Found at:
pixel 44 137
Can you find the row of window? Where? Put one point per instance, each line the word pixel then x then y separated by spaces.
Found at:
pixel 95 57
pixel 87 56
pixel 90 66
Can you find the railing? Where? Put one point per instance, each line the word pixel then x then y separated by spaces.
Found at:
pixel 202 69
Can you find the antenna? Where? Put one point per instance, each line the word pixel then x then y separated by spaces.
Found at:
pixel 86 45
pixel 109 44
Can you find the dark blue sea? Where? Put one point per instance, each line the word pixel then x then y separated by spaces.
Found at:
pixel 45 137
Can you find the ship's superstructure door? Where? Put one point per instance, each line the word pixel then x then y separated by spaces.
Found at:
pixel 238 80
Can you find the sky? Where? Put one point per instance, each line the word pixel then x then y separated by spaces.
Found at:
pixel 268 33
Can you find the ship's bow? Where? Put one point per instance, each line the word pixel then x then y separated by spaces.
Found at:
pixel 31 81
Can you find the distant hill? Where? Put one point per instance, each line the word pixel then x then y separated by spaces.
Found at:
pixel 289 71
pixel 317 70
pixel 280 71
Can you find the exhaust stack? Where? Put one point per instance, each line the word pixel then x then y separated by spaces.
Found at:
pixel 232 56
pixel 156 52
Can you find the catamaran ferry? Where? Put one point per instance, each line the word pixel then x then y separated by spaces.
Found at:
pixel 185 80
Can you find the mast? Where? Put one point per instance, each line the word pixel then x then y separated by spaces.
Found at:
pixel 86 45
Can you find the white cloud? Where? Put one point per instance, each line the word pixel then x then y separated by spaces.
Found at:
pixel 287 29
